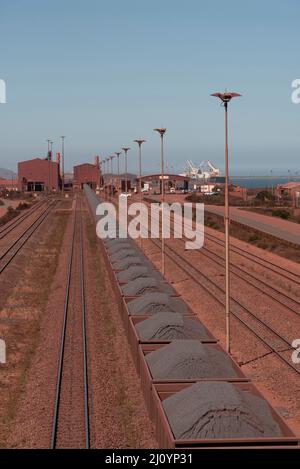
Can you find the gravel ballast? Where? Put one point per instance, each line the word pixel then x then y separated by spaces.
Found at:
pixel 152 303
pixel 219 410
pixel 189 359
pixel 170 326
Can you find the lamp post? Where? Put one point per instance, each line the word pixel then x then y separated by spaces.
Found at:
pixel 225 99
pixel 50 146
pixel 118 153
pixel 106 172
pixel 111 171
pixel 48 158
pixel 162 132
pixel 101 173
pixel 140 142
pixel 63 163
pixel 125 149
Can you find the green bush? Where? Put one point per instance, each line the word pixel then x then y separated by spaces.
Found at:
pixel 285 214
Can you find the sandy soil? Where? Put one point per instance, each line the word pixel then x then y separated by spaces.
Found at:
pixel 118 415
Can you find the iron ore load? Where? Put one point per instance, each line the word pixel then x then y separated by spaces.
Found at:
pixel 196 395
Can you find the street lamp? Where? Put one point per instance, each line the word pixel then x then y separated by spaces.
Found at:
pixel 106 172
pixel 63 163
pixel 125 149
pixel 101 171
pixel 118 153
pixel 111 170
pixel 140 142
pixel 226 98
pixel 162 131
pixel 50 144
pixel 48 158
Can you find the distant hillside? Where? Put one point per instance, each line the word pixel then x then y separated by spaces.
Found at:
pixel 7 174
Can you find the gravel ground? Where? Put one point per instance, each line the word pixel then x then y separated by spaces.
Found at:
pixel 21 315
pixel 118 415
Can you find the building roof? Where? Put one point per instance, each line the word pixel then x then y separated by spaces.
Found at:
pixel 290 185
pixel 166 176
pixel 37 160
pixel 8 182
pixel 86 164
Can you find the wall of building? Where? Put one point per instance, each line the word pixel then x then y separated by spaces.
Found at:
pixel 86 174
pixel 38 174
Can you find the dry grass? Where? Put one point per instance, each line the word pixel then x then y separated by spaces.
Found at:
pixel 26 304
pixel 253 237
pixel 126 410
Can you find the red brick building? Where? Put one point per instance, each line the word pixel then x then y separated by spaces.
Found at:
pixel 8 184
pixel 86 173
pixel 39 175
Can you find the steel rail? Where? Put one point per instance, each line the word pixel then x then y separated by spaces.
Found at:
pixel 57 400
pixel 12 224
pixel 84 338
pixel 189 271
pixel 29 232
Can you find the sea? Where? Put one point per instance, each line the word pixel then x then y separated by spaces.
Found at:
pixel 261 181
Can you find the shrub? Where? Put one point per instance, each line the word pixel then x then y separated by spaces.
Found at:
pixel 280 212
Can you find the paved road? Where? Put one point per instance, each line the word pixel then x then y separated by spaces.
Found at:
pixel 274 226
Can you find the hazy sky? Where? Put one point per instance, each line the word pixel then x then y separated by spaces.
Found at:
pixel 105 72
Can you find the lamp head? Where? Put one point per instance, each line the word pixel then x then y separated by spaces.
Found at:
pixel 125 149
pixel 161 130
pixel 139 141
pixel 226 97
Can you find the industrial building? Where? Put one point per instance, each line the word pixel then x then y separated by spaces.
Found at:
pixel 87 173
pixel 176 181
pixel 39 175
pixel 8 184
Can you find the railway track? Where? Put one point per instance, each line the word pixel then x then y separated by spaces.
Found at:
pixel 10 252
pixel 272 339
pixel 15 222
pixel 287 301
pixel 272 266
pixel 71 422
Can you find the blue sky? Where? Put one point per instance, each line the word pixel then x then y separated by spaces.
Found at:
pixel 106 72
